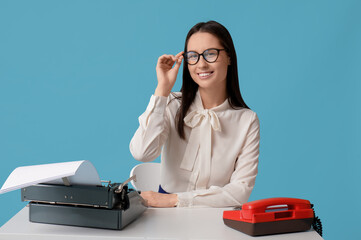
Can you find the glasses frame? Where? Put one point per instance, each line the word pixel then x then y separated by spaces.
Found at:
pixel 202 54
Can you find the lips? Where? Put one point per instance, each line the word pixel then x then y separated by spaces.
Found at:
pixel 204 75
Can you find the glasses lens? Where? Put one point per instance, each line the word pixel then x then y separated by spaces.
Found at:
pixel 192 57
pixel 211 55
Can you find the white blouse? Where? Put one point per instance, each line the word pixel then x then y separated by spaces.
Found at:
pixel 216 164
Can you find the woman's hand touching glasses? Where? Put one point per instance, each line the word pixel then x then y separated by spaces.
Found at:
pixel 167 73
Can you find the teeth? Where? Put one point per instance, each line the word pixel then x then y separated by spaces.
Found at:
pixel 204 74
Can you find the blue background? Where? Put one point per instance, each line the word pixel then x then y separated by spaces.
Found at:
pixel 75 76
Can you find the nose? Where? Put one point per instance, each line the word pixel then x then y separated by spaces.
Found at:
pixel 202 63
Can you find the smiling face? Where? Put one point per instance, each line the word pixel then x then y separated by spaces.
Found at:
pixel 207 75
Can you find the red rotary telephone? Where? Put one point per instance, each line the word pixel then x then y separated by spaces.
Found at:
pixel 272 216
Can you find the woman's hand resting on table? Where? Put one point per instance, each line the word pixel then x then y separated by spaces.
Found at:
pixel 155 199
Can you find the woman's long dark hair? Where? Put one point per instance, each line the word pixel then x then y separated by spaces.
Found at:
pixel 189 87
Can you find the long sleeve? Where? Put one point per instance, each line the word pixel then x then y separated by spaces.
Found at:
pixel 228 179
pixel 147 142
pixel 242 180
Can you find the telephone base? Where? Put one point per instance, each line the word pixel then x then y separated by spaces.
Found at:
pixel 267 228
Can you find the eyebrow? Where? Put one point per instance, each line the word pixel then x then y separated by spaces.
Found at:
pixel 203 50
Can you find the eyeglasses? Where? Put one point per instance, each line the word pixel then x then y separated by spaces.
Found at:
pixel 210 55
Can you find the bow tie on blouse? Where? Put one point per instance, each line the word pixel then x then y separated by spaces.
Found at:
pixel 202 121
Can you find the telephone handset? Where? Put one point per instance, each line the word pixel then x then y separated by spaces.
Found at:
pixel 272 216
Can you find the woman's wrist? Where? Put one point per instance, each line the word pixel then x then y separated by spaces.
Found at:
pixel 174 200
pixel 161 91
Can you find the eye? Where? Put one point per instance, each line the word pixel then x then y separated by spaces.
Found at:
pixel 192 55
pixel 211 53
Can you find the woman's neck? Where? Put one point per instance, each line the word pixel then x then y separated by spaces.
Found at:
pixel 212 97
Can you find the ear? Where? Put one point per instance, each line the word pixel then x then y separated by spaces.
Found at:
pixel 229 60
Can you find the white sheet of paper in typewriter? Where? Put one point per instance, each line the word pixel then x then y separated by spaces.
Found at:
pixel 77 172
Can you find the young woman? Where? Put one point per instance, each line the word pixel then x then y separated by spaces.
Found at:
pixel 207 136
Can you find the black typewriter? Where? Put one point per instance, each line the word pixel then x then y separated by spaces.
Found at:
pixel 71 193
pixel 111 206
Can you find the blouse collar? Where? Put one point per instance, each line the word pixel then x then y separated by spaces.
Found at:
pixel 199 104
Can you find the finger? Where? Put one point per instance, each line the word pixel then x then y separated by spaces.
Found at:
pixel 179 57
pixel 169 60
pixel 178 63
pixel 172 59
pixel 164 58
pixel 179 54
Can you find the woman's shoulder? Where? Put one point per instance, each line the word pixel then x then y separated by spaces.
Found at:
pixel 248 111
pixel 243 114
pixel 243 111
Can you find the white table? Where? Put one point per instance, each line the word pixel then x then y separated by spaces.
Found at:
pixel 155 223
